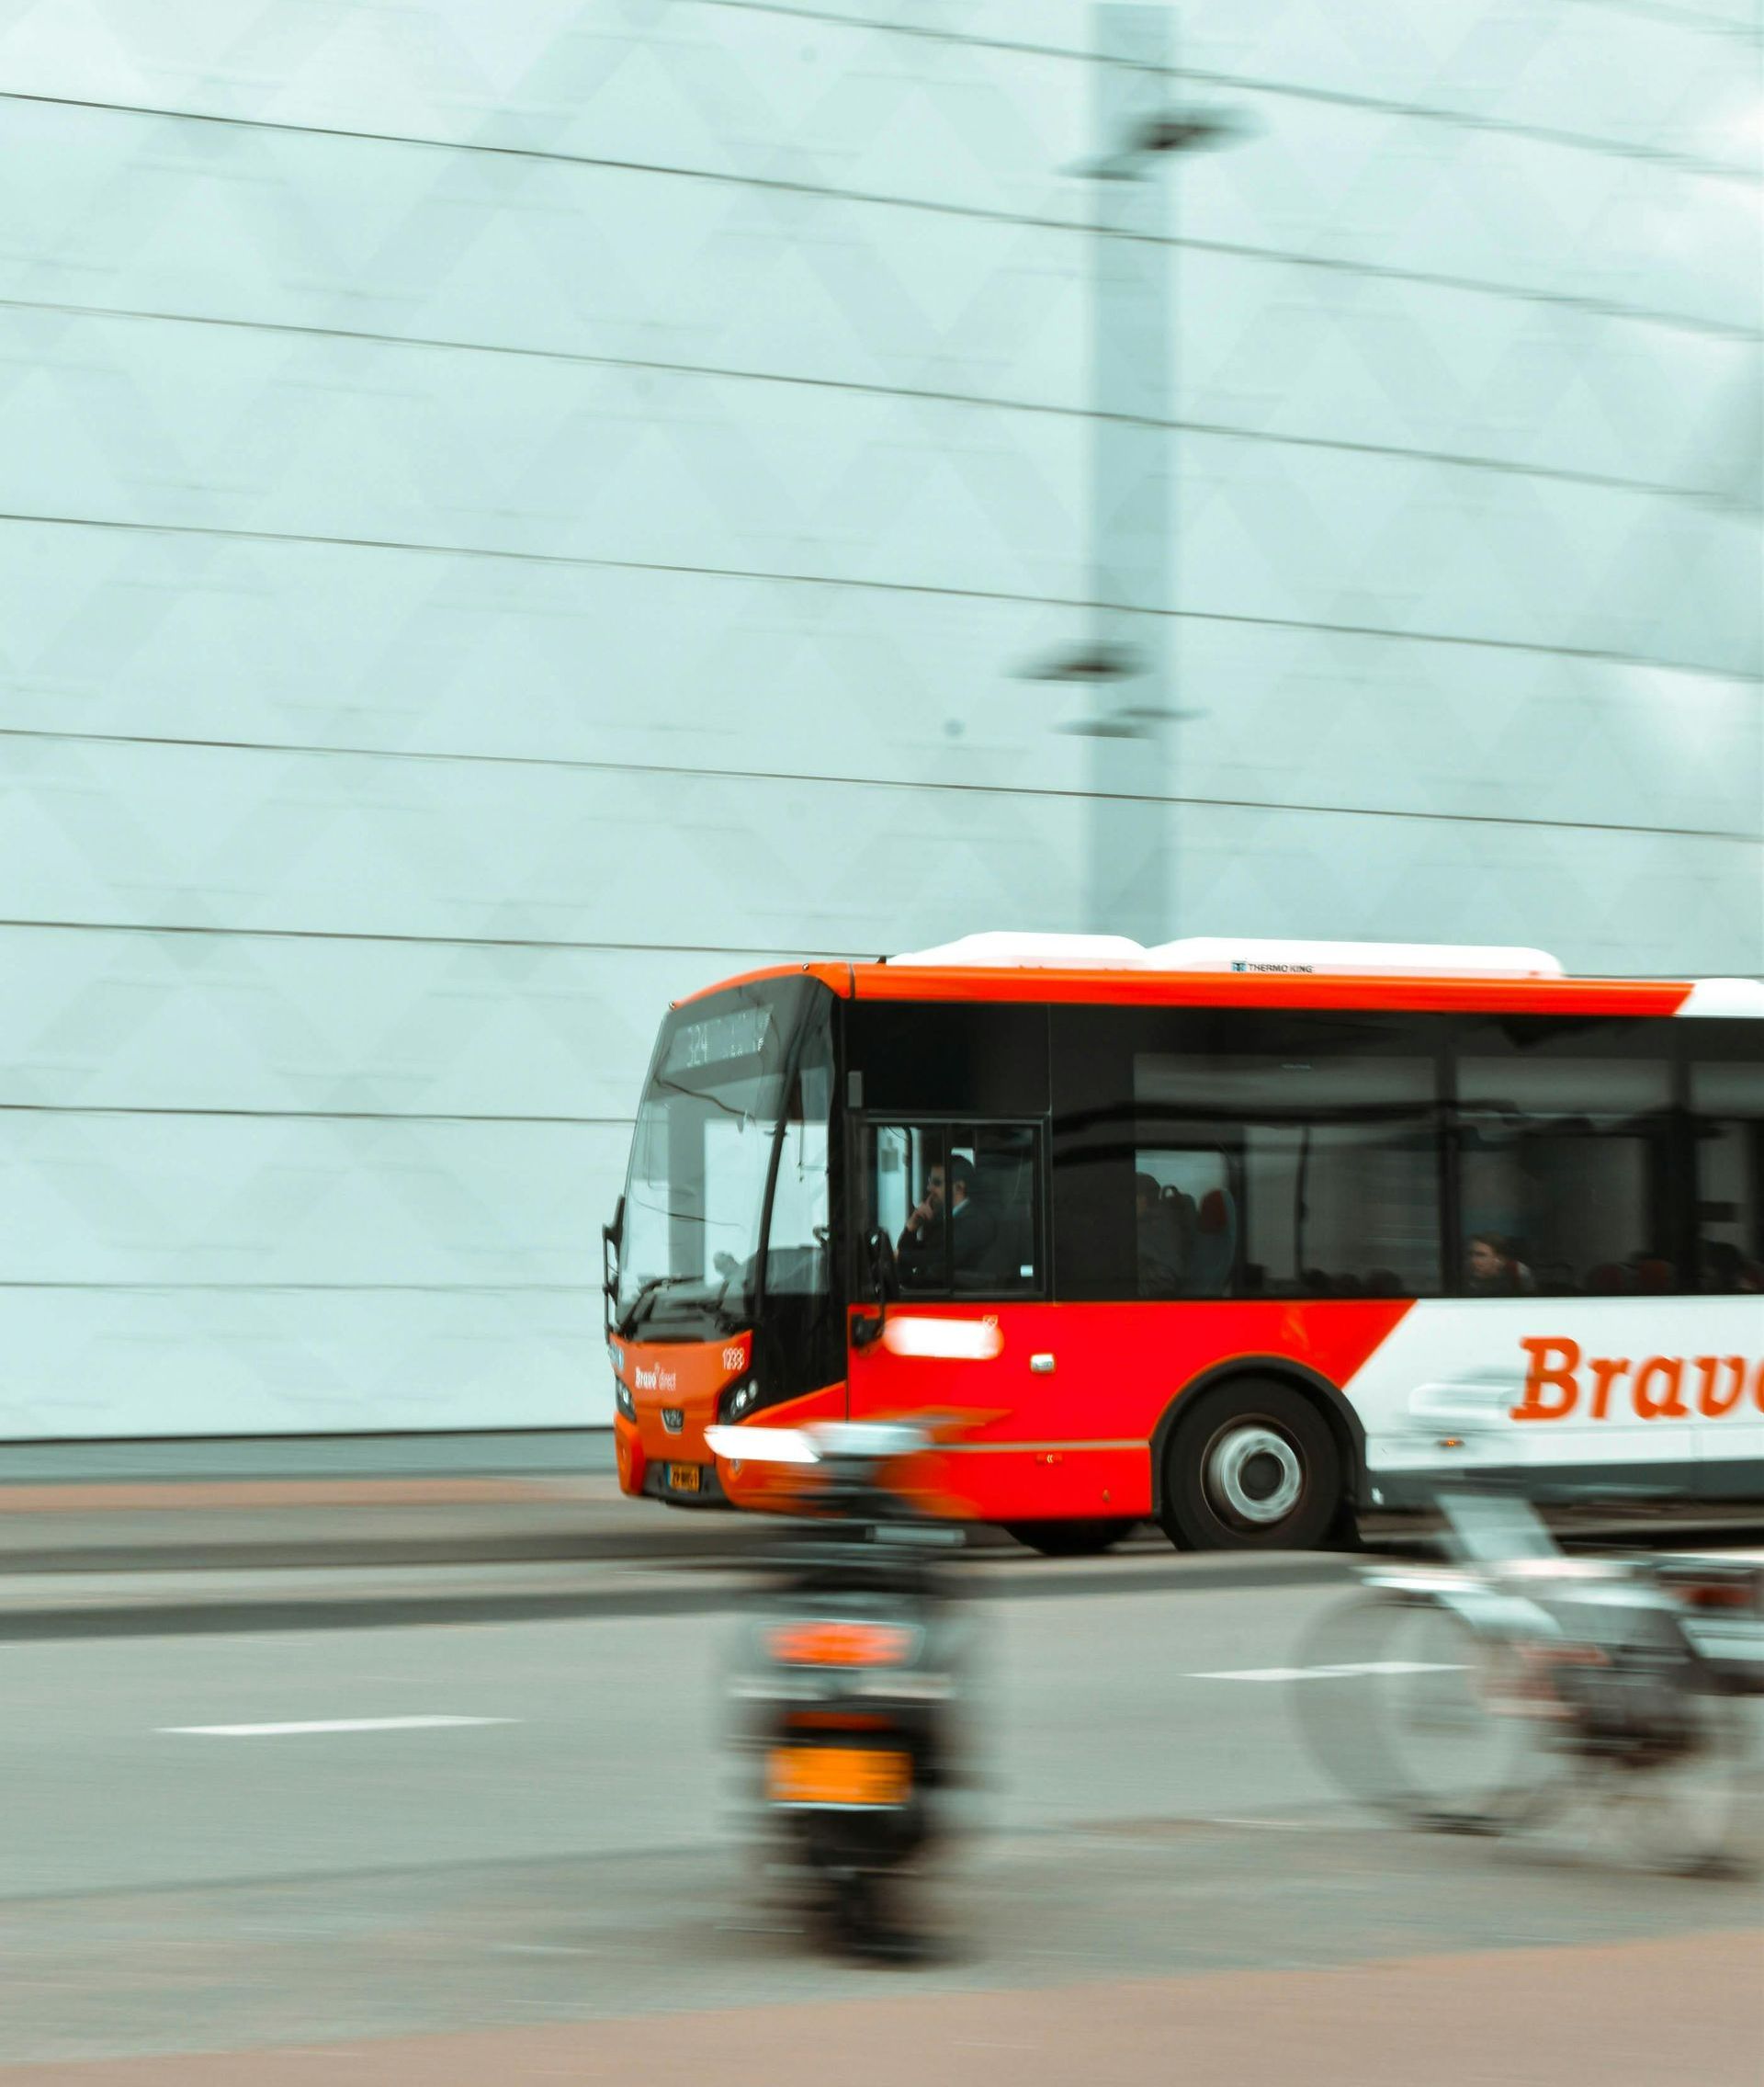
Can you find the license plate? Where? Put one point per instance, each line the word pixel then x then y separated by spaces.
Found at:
pixel 683 1478
pixel 838 1774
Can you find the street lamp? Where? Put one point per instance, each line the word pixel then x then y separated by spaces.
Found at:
pixel 1129 869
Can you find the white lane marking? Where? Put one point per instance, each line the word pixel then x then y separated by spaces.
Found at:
pixel 1318 1673
pixel 328 1725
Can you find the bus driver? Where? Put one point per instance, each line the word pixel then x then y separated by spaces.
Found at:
pixel 920 1251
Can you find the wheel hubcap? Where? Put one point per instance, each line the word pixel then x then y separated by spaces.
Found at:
pixel 1253 1475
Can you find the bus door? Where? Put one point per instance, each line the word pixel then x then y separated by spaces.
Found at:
pixel 956 1211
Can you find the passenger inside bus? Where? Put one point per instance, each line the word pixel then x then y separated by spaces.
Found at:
pixel 1187 1244
pixel 1215 1254
pixel 1166 1221
pixel 1492 1269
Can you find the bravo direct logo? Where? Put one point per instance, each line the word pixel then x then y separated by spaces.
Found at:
pixel 655 1378
pixel 1560 1383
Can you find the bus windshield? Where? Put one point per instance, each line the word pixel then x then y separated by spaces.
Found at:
pixel 733 1076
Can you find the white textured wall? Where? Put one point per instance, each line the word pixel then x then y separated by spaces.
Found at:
pixel 509 513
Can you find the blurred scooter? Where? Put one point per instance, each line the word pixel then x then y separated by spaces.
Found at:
pixel 847 1693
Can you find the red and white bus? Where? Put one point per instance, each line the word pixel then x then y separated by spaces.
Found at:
pixel 1223 1233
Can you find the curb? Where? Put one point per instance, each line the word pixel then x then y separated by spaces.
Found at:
pixel 714 1574
pixel 542 1546
pixel 711 1538
pixel 724 1592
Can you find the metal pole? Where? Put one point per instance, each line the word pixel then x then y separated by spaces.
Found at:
pixel 1130 849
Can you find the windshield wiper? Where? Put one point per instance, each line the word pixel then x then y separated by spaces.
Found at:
pixel 654 1287
pixel 643 1303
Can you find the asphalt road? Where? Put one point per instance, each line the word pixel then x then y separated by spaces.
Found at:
pixel 562 1889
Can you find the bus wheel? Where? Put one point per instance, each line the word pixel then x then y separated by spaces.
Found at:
pixel 1254 1467
pixel 1068 1539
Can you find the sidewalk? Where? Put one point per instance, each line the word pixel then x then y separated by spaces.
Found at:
pixel 107 1537
pixel 129 1539
pixel 361 1501
pixel 517 1452
pixel 215 1525
pixel 1626 2014
pixel 178 1556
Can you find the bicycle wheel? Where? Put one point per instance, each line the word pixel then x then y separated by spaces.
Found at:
pixel 1417 1715
pixel 1695 1812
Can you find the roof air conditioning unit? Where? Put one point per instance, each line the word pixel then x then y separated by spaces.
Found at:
pixel 1359 959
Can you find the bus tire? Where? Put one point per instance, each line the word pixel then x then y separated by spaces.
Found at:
pixel 1069 1540
pixel 1254 1467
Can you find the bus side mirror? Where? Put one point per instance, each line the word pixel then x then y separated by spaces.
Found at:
pixel 610 1237
pixel 865 1331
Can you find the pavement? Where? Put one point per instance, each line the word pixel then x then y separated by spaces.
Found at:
pixel 226 1525
pixel 511 1851
pixel 104 1538
pixel 226 1558
pixel 121 1539
pixel 520 1453
pixel 1631 2014
pixel 129 1539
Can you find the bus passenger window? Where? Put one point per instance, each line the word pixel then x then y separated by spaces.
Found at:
pixel 1186 1217
pixel 1310 1170
pixel 1564 1169
pixel 960 1206
pixel 1727 1128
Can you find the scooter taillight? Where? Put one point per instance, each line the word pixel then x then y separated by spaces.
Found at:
pixel 839 1644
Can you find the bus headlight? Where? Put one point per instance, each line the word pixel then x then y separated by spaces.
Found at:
pixel 738 1401
pixel 622 1398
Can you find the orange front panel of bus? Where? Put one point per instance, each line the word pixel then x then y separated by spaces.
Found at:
pixel 674 1386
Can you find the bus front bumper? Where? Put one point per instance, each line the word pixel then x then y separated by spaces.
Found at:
pixel 681 1481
